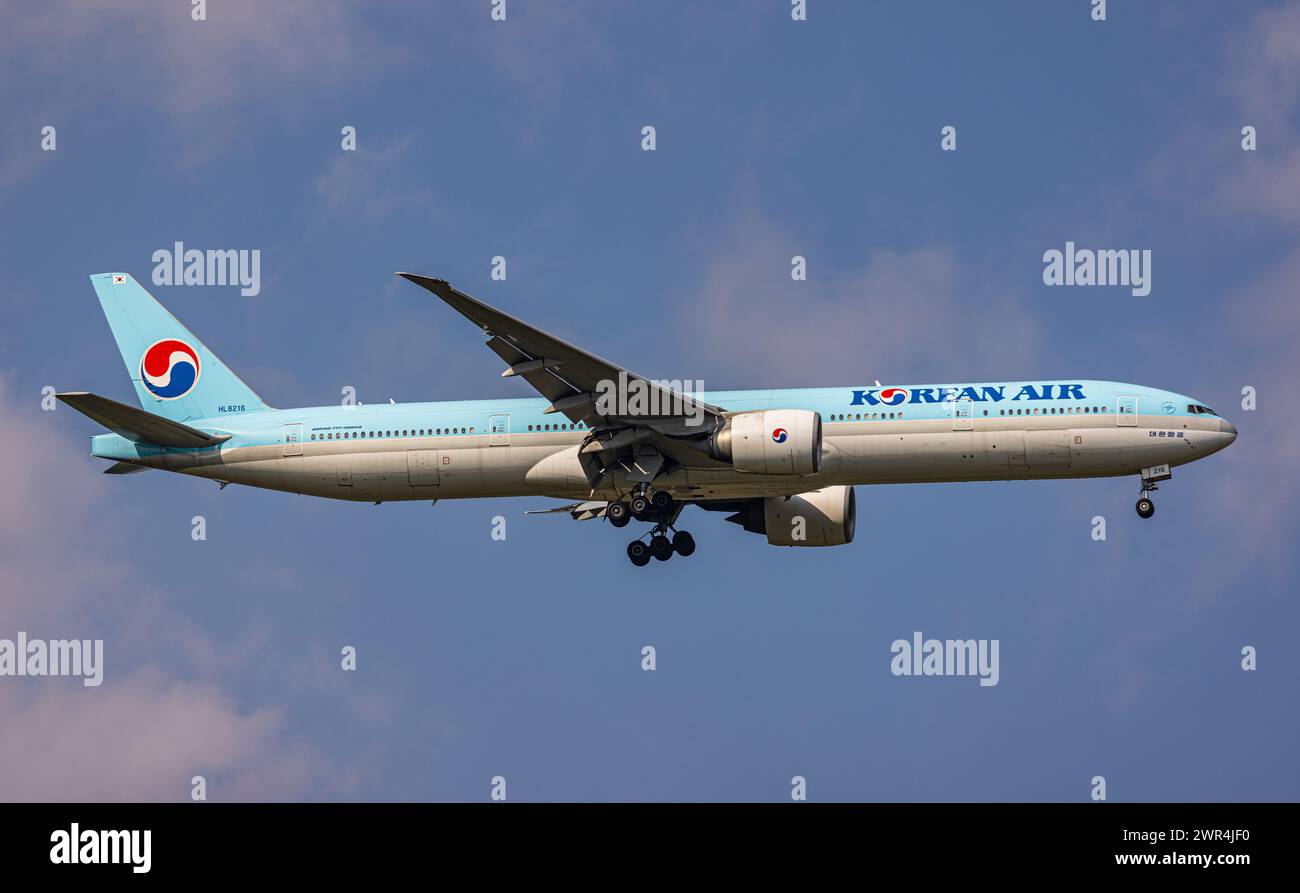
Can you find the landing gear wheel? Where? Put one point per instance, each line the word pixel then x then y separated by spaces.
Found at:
pixel 683 543
pixel 638 552
pixel 618 514
pixel 640 508
pixel 662 502
pixel 1145 508
pixel 660 547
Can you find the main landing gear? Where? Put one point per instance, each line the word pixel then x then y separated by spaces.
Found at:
pixel 663 510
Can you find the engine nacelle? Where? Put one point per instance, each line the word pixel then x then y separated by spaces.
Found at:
pixel 825 517
pixel 770 441
pixel 828 518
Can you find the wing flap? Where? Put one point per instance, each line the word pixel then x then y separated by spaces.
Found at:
pixel 579 511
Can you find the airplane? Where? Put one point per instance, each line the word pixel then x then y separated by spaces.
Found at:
pixel 780 463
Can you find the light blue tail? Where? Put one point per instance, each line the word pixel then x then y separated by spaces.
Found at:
pixel 174 373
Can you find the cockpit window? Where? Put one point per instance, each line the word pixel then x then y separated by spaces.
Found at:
pixel 1197 409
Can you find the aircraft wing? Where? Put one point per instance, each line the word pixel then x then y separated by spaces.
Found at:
pixel 567 375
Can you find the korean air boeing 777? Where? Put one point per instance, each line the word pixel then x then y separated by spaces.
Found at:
pixel 782 463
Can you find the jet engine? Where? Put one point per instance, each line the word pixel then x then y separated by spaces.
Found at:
pixel 770 441
pixel 824 517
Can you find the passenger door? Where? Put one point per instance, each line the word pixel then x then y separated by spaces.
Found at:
pixel 499 430
pixel 292 439
pixel 962 415
pixel 1126 407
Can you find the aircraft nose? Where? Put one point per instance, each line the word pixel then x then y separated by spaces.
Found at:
pixel 1228 430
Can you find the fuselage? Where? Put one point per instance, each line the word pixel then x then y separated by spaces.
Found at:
pixel 871 435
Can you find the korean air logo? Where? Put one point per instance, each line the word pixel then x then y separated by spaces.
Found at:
pixel 893 396
pixel 779 435
pixel 169 369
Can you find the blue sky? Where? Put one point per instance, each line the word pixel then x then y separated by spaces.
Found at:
pixel 522 138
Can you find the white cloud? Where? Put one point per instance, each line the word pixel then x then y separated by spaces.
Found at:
pixel 197 74
pixel 148 728
pixel 144 737
pixel 361 181
pixel 915 315
pixel 542 44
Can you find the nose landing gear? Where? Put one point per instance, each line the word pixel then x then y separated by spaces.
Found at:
pixel 1145 506
pixel 1150 478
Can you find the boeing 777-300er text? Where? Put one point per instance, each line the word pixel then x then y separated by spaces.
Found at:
pixel 782 463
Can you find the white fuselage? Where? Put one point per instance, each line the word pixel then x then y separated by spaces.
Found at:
pixel 401 452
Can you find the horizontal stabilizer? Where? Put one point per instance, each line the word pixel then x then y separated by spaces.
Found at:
pixel 125 468
pixel 138 425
